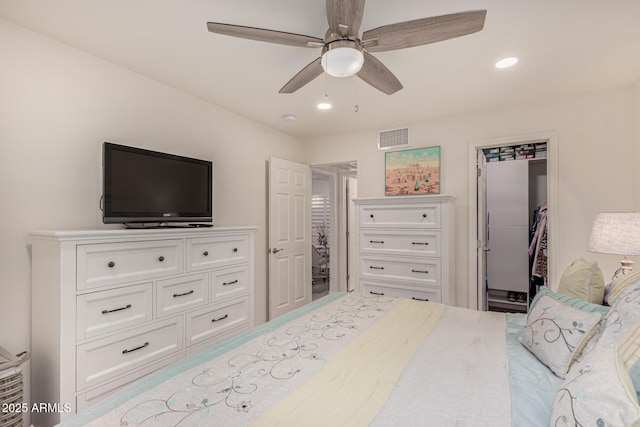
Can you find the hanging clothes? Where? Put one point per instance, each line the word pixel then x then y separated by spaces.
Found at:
pixel 538 246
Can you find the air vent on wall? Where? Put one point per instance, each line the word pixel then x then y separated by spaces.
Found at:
pixel 393 138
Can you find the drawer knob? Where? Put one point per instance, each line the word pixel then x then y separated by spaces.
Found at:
pixel 376 293
pixel 205 253
pixel 420 299
pixel 230 283
pixel 424 215
pixel 219 319
pixel 161 258
pixel 420 271
pixel 371 215
pixel 125 351
pixel 111 264
pixel 183 294
pixel 116 309
pixel 235 250
pixel 376 268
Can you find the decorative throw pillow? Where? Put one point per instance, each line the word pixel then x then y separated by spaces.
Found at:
pixel 620 320
pixel 614 289
pixel 556 333
pixel 597 392
pixel 583 279
pixel 629 349
pixel 621 327
pixel 570 301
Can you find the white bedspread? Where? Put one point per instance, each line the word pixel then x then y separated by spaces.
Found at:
pixel 235 388
pixel 457 376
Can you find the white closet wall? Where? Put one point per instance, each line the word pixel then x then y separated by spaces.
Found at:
pixel 508 225
pixel 515 188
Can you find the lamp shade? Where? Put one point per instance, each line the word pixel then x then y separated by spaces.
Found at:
pixel 616 233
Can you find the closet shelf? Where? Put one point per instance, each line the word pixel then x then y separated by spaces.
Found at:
pixel 506 301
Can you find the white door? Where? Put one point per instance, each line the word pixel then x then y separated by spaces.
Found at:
pixel 482 231
pixel 289 236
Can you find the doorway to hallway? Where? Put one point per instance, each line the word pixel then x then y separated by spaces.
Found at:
pixel 334 186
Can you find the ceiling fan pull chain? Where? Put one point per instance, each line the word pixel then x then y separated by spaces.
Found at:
pixel 356 107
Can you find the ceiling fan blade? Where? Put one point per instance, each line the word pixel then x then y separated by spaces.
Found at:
pixel 263 35
pixel 378 75
pixel 345 13
pixel 308 73
pixel 424 31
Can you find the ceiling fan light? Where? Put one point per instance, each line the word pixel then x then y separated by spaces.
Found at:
pixel 342 59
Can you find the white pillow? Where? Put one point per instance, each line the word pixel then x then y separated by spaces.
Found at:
pixel 614 289
pixel 597 392
pixel 621 327
pixel 619 321
pixel 556 333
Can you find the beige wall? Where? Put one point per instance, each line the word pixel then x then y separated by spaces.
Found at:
pixel 636 143
pixel 57 106
pixel 594 132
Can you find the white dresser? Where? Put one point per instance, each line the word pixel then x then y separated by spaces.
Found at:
pixel 406 247
pixel 110 306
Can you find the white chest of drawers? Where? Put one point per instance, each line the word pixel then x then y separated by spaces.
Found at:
pixel 406 247
pixel 111 306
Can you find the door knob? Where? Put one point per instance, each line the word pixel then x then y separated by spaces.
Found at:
pixel 276 250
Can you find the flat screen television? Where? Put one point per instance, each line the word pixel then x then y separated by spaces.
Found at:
pixel 144 186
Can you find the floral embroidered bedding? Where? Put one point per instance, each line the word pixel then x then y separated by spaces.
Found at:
pixel 352 359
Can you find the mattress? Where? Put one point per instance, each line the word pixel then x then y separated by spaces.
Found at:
pixel 349 359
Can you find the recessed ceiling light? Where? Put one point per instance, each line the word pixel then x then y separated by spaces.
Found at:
pixel 289 117
pixel 324 104
pixel 507 62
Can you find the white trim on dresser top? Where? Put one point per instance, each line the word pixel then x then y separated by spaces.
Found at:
pixel 109 306
pixel 406 247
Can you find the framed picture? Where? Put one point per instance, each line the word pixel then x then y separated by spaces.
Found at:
pixel 415 171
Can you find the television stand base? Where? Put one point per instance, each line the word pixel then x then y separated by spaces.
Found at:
pixel 162 225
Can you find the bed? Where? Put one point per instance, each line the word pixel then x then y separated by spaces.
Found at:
pixel 350 359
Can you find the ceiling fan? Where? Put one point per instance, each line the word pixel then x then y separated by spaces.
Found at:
pixel 345 53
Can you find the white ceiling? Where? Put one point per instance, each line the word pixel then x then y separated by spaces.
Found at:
pixel 565 47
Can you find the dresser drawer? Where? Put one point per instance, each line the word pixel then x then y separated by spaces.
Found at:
pixel 110 357
pixel 218 251
pixel 113 263
pixel 401 242
pixel 416 271
pixel 210 322
pixel 421 294
pixel 106 311
pixel 229 283
pixel 183 293
pixel 95 395
pixel 399 216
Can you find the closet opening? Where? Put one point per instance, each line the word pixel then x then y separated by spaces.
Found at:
pixel 333 188
pixel 513 212
pixel 515 238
